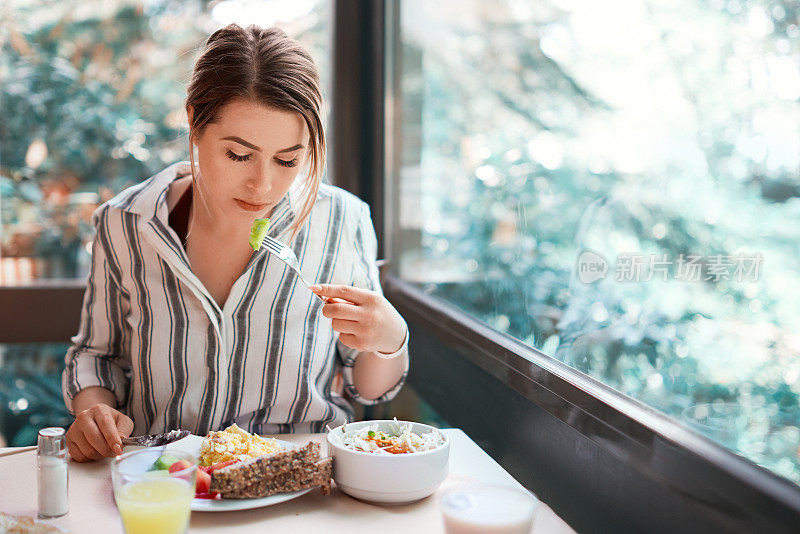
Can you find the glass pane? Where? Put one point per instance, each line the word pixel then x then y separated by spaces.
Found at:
pixel 615 183
pixel 92 102
pixel 30 391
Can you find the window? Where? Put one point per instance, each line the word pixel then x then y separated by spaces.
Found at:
pixel 612 184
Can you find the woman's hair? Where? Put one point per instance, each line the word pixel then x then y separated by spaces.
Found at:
pixel 267 67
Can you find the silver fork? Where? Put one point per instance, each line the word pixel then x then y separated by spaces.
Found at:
pixel 287 256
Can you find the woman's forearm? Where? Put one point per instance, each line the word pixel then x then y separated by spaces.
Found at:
pixel 93 395
pixel 373 376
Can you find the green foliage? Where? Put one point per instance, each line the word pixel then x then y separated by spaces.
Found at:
pixel 30 391
pixel 514 190
pixel 92 91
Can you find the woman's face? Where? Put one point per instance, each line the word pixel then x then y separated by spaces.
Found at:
pixel 248 160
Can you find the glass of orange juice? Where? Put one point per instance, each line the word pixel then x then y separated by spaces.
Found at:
pixel 150 498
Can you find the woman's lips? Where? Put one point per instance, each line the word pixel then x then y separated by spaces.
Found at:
pixel 249 207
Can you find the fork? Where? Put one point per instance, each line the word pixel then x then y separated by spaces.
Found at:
pixel 287 256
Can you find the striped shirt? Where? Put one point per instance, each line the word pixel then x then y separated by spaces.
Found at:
pixel 266 360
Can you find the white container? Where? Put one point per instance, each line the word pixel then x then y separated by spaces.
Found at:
pixel 487 509
pixel 388 478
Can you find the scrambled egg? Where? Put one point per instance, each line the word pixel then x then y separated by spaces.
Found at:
pixel 233 443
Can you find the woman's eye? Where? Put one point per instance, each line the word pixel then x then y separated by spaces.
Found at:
pixel 290 163
pixel 237 157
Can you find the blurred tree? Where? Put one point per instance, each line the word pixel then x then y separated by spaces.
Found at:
pixel 514 189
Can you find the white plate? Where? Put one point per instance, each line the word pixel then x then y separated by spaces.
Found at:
pixel 191 444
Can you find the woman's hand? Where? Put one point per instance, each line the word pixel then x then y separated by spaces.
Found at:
pixel 364 319
pixel 97 433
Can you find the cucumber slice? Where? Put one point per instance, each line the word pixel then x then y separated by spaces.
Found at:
pixel 258 232
pixel 164 461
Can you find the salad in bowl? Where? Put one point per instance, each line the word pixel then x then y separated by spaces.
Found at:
pixel 391 438
pixel 414 456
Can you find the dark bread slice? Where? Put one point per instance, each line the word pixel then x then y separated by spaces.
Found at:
pixel 316 474
pixel 240 475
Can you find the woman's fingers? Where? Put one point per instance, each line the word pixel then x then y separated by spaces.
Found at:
pixel 89 452
pixel 349 293
pixel 110 433
pixel 75 452
pixel 343 326
pixel 340 310
pixel 72 446
pixel 96 439
pixel 101 430
pixel 334 300
pixel 96 433
pixel 124 424
pixel 350 340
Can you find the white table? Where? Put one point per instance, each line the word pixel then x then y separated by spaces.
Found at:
pixel 92 507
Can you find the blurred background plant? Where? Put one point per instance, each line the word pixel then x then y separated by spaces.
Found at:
pixel 93 96
pixel 534 132
pixel 93 93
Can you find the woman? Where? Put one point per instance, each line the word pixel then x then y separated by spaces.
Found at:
pixel 183 325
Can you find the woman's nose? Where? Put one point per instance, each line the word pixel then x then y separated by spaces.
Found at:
pixel 260 179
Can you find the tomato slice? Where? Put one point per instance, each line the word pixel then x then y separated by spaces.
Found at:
pixel 209 495
pixel 210 469
pixel 219 465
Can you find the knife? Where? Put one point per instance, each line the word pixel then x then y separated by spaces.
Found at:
pixel 155 440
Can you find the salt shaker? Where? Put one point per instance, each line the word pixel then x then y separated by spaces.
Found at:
pixel 51 472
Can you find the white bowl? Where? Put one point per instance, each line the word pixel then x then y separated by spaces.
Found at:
pixel 388 478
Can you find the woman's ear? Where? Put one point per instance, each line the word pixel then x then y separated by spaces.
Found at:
pixel 190 114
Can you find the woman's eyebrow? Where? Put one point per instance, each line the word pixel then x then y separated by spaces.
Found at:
pixel 290 149
pixel 254 147
pixel 241 142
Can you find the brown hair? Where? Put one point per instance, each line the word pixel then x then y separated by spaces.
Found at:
pixel 265 66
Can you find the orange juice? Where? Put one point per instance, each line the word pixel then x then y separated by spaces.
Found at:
pixel 160 505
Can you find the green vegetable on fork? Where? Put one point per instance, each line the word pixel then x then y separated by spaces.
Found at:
pixel 258 232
